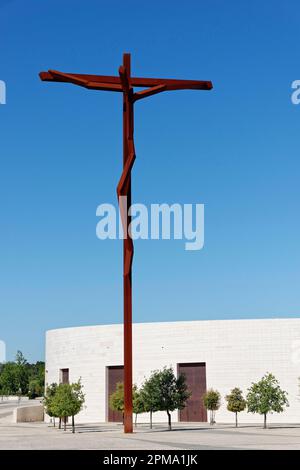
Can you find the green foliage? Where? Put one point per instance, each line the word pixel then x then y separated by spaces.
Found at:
pixel 35 388
pixel 21 378
pixel 8 379
pixel 22 373
pixel 20 360
pixel 64 400
pixel 162 391
pixel 67 400
pixel 212 402
pixel 48 400
pixel 36 379
pixel 116 399
pixel 138 405
pixel 236 402
pixel 150 395
pixel 137 401
pixel 170 392
pixel 266 396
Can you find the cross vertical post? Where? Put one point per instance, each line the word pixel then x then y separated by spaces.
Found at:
pixel 127 243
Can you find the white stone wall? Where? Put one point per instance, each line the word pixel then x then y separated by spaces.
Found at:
pixel 28 414
pixel 12 398
pixel 236 352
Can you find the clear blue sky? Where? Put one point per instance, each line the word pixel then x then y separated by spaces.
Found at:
pixel 235 149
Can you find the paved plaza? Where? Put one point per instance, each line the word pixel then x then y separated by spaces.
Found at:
pixel 110 436
pixel 105 436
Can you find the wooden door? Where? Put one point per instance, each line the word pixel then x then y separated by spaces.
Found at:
pixel 195 374
pixel 64 376
pixel 115 374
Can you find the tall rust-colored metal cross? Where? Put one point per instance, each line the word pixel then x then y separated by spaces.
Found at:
pixel 125 84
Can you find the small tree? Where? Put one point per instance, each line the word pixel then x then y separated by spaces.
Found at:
pixel 22 373
pixel 116 399
pixel 266 396
pixel 172 392
pixel 236 403
pixel 212 402
pixel 77 400
pixel 150 395
pixel 48 401
pixel 137 402
pixel 68 400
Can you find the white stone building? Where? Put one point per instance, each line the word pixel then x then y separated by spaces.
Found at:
pixel 221 354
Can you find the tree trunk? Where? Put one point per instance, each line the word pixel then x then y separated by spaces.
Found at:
pixel 53 421
pixel 150 419
pixel 73 424
pixel 265 421
pixel 236 421
pixel 59 424
pixel 169 421
pixel 65 423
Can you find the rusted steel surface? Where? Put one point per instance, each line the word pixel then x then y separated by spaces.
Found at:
pixel 94 80
pixel 124 189
pixel 195 374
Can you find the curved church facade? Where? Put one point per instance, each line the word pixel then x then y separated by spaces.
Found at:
pixel 219 354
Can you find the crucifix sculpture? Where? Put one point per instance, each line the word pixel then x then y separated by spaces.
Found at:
pixel 125 83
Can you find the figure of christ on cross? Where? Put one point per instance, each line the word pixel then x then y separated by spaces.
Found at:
pixel 125 83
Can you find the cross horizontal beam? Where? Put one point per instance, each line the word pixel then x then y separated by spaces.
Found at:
pixel 112 83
